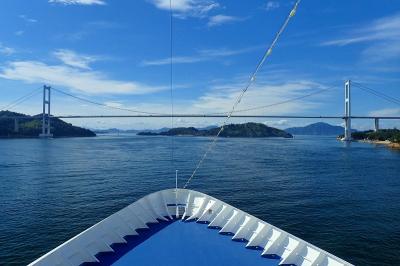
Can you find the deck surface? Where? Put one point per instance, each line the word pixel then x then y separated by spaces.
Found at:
pixel 189 243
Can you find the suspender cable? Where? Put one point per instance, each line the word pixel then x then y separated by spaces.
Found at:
pixel 243 91
pixel 171 83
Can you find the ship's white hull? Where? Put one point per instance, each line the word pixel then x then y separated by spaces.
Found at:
pixel 187 205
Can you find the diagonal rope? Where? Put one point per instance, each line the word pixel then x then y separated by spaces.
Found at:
pixel 250 82
pixel 171 77
pixel 22 99
pixel 377 93
pixel 104 105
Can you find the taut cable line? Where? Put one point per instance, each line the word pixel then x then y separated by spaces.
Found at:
pixel 171 86
pixel 22 99
pixel 243 91
pixel 377 93
pixel 105 105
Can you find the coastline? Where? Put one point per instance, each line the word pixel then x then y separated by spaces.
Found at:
pixel 387 143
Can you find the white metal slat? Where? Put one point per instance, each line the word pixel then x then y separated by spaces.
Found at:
pixel 259 238
pixel 218 221
pixel 246 229
pixel 200 203
pixel 273 242
pixel 211 212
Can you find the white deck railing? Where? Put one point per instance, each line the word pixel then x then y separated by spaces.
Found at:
pixel 192 205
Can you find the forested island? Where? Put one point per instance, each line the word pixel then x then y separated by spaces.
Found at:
pixel 31 127
pixel 247 130
pixel 390 137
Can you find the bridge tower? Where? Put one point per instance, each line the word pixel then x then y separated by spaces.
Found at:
pixel 347 111
pixel 376 124
pixel 46 113
pixel 16 125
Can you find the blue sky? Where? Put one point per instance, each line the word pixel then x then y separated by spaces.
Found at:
pixel 116 52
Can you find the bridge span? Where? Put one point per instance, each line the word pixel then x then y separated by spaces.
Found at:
pixel 347 117
pixel 223 116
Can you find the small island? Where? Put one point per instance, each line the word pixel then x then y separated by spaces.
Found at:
pixel 389 137
pixel 31 127
pixel 247 130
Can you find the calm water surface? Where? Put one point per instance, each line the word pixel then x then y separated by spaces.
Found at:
pixel 344 199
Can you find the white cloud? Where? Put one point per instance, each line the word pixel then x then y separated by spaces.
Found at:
pixel 114 104
pixel 200 56
pixel 221 98
pixel 27 19
pixel 383 51
pixel 271 5
pixel 79 2
pixel 277 123
pixel 220 19
pixel 382 37
pixel 92 82
pixel 19 32
pixel 386 112
pixel 187 8
pixel 6 50
pixel 73 59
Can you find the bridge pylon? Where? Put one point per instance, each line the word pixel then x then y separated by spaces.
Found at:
pixel 347 111
pixel 376 125
pixel 46 133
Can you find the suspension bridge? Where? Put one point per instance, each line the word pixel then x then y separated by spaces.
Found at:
pixel 347 116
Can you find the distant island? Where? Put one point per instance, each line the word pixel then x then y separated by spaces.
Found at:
pixel 319 128
pixel 247 130
pixel 389 137
pixel 126 131
pixel 134 131
pixel 31 127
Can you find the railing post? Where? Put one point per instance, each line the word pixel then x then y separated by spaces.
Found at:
pixel 46 133
pixel 347 111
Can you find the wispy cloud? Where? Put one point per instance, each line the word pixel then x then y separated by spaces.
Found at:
pixel 87 81
pixel 113 104
pixel 386 112
pixel 382 37
pixel 220 19
pixel 28 19
pixel 277 123
pixel 74 59
pixel 78 2
pixel 271 5
pixel 19 32
pixel 6 50
pixel 200 56
pixel 187 8
pixel 221 98
pixel 88 29
pixel 387 28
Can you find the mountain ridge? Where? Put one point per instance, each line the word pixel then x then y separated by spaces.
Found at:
pixel 319 128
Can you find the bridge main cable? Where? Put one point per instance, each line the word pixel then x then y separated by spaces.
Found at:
pixel 105 105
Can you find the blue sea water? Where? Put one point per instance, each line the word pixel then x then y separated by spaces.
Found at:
pixel 342 198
